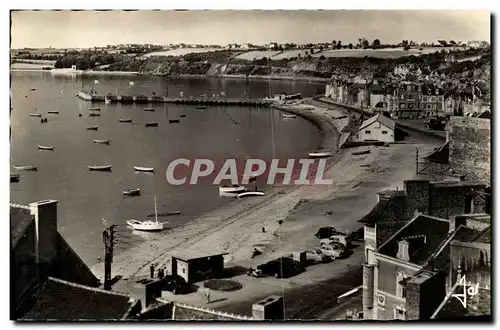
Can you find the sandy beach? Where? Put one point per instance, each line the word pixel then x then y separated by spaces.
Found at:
pixel 236 228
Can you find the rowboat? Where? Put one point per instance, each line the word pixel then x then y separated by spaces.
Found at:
pixel 144 169
pixel 164 214
pixel 173 121
pixel 124 120
pixel 14 178
pixel 355 153
pixel 53 112
pixel 92 128
pixel 94 109
pixel 35 114
pixel 132 192
pixel 251 194
pixel 289 116
pixel 26 168
pixel 33 89
pixel 147 225
pixel 149 109
pixel 45 147
pixel 201 108
pixel 232 189
pixel 94 114
pixel 182 115
pixel 320 154
pixel 100 168
pixel 102 141
pixel 151 124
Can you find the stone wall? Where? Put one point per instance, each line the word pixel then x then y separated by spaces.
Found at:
pixel 423 296
pixel 470 152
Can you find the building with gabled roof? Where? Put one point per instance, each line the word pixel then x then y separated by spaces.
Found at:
pixel 377 128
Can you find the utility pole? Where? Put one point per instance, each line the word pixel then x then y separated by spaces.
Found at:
pixel 108 236
pixel 416 162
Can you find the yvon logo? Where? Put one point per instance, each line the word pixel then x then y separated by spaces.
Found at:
pixel 288 172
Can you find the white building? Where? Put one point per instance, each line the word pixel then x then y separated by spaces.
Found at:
pixel 376 128
pixel 245 47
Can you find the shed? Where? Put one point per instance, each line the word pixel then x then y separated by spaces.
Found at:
pixel 377 128
pixel 195 266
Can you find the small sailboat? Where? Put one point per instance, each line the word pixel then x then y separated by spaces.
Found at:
pixel 182 116
pixel 35 114
pixel 94 109
pixel 147 225
pixel 164 214
pixel 53 112
pixel 99 168
pixel 94 114
pixel 232 189
pixel 144 169
pixel 173 121
pixel 26 168
pixel 251 194
pixel 149 109
pixel 14 178
pixel 132 192
pixel 102 141
pixel 151 124
pixel 320 154
pixel 107 100
pixel 125 120
pixel 92 128
pixel 285 116
pixel 45 147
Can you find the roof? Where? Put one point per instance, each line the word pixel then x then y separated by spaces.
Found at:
pixel 61 300
pixel 485 236
pixel 20 218
pixel 444 184
pixel 189 313
pixel 188 255
pixel 440 155
pixel 376 213
pixel 425 235
pixel 381 119
pixel 477 305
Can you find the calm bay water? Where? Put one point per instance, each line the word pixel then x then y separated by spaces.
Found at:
pixel 85 198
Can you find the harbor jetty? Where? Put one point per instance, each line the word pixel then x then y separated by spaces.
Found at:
pixel 177 100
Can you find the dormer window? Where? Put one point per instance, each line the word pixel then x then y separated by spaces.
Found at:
pixel 403 250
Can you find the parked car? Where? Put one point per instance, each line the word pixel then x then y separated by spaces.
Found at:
pixel 317 256
pixel 254 272
pixel 175 284
pixel 342 239
pixel 281 268
pixel 332 252
pixel 325 232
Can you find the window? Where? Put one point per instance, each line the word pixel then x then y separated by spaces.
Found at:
pixel 399 313
pixel 428 106
pixel 368 132
pixel 384 132
pixel 469 204
pixel 401 105
pixel 400 289
pixel 410 105
pixel 424 98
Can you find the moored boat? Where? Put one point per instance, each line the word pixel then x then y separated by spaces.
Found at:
pixel 99 168
pixel 232 189
pixel 102 141
pixel 35 114
pixel 144 169
pixel 174 121
pixel 147 225
pixel 92 128
pixel 164 214
pixel 289 116
pixel 94 114
pixel 45 147
pixel 132 192
pixel 151 124
pixel 125 120
pixel 94 109
pixel 201 108
pixel 182 116
pixel 53 112
pixel 14 178
pixel 149 109
pixel 251 194
pixel 26 168
pixel 320 154
pixel 363 152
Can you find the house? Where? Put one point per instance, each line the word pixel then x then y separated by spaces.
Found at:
pixel 409 97
pixel 48 279
pixel 195 266
pixel 245 46
pixel 432 102
pixel 376 128
pixel 273 46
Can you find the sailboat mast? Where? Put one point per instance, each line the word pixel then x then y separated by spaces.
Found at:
pixel 156 211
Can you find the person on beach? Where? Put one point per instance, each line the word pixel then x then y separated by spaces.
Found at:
pixel 207 295
pixel 152 271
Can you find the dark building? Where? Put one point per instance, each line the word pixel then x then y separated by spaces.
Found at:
pixel 195 266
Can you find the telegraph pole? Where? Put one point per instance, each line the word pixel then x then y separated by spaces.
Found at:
pixel 108 237
pixel 416 162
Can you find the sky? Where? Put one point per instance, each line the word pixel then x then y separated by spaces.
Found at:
pixel 81 29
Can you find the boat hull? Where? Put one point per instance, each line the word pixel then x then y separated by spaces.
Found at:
pixel 144 169
pixel 145 225
pixel 26 168
pixel 135 192
pixel 46 148
pixel 238 189
pixel 101 141
pixel 100 168
pixel 151 125
pixel 251 194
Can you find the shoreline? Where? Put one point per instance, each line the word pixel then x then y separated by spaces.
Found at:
pixel 131 262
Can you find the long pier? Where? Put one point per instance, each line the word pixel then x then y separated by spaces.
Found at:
pixel 176 100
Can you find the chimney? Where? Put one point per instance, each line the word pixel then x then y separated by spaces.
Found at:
pixel 45 213
pixel 271 308
pixel 403 250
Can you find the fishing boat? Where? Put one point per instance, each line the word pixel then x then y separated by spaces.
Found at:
pixel 93 114
pixel 92 128
pixel 131 83
pixel 147 225
pixel 35 114
pixel 320 154
pixel 14 178
pixel 363 152
pixel 289 116
pixel 45 147
pixel 151 124
pixel 53 112
pixel 149 109
pixel 107 100
pixel 124 120
pixel 26 168
pixel 174 121
pixel 250 194
pixel 33 89
pixel 164 214
pixel 232 189
pixel 144 169
pixel 99 168
pixel 102 141
pixel 132 192
pixel 201 108
pixel 182 116
pixel 94 109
